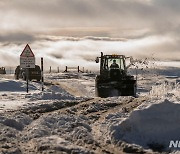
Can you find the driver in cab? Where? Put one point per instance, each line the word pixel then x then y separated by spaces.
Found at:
pixel 114 65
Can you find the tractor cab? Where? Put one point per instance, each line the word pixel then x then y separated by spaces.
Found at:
pixel 114 62
pixel 112 66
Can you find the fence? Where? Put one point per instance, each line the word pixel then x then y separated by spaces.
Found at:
pixel 11 70
pixel 73 68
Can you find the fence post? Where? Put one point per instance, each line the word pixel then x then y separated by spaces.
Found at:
pixel 42 74
pixel 58 69
pixel 50 69
pixel 66 69
pixel 78 68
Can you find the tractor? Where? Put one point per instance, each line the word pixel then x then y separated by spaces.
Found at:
pixel 114 79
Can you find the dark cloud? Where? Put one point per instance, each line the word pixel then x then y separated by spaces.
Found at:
pixel 56 55
pixel 17 37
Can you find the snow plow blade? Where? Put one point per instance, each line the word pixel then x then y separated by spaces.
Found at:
pixel 122 88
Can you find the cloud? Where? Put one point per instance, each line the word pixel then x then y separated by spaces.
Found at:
pixel 74 31
pixel 66 52
pixel 17 37
pixel 43 16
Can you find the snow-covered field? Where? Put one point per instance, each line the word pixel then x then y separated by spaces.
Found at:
pixel 67 117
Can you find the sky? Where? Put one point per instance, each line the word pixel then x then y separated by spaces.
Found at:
pixel 74 32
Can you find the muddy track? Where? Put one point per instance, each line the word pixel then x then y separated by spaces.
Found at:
pixel 98 116
pixel 86 107
pixel 125 107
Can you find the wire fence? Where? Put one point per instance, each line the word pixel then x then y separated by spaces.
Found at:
pixel 50 69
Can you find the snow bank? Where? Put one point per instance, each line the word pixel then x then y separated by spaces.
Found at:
pixel 53 93
pixel 50 133
pixel 14 86
pixel 16 121
pixel 50 93
pixel 59 131
pixel 59 124
pixel 13 94
pixel 153 126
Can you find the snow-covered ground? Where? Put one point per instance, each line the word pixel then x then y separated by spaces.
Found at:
pixel 67 116
pixel 13 93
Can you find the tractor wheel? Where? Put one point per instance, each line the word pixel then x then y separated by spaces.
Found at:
pixel 24 77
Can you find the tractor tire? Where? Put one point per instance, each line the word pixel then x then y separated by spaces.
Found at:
pixel 24 77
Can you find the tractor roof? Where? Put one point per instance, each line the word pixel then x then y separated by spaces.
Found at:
pixel 114 56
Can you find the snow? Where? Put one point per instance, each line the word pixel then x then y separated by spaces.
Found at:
pixel 17 122
pixel 157 124
pixel 53 93
pixel 60 131
pixel 58 143
pixel 166 90
pixel 14 86
pixel 154 123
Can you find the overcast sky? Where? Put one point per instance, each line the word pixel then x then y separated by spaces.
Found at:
pixel 50 16
pixel 151 26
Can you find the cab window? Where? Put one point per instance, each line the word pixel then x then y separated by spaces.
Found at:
pixel 119 61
